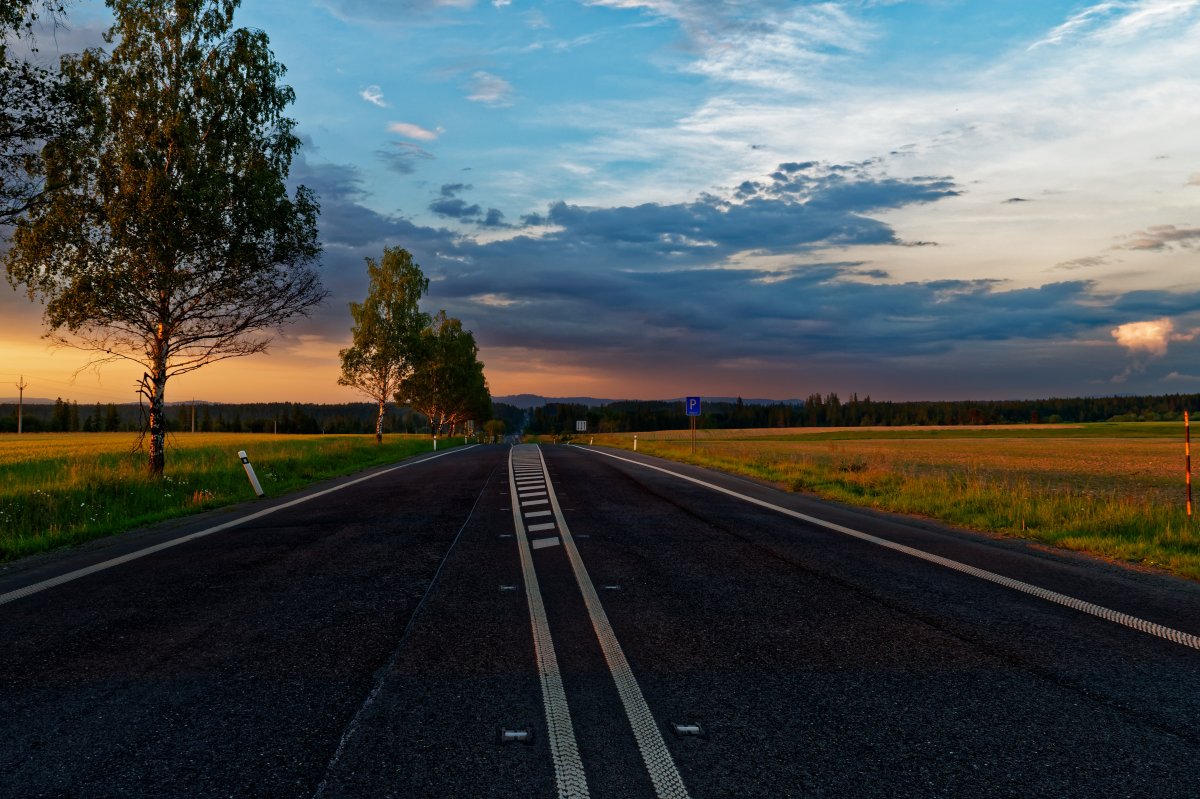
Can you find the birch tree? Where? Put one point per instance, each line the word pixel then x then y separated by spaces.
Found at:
pixel 447 382
pixel 387 328
pixel 171 240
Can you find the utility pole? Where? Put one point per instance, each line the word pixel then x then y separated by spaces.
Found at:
pixel 21 386
pixel 193 414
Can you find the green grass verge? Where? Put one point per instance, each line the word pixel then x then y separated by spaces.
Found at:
pixel 63 489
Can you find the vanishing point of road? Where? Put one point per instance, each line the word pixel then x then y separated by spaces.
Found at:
pixel 563 621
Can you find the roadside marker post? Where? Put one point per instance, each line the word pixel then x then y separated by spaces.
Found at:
pixel 250 473
pixel 1187 455
pixel 635 442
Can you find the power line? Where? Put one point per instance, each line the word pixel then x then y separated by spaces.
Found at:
pixel 21 386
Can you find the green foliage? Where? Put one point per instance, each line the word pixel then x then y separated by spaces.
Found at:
pixel 387 329
pixel 35 108
pixel 830 411
pixel 447 382
pixel 171 240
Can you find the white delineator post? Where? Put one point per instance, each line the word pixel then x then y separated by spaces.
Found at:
pixel 635 443
pixel 250 473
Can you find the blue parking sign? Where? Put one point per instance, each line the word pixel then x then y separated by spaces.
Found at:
pixel 693 406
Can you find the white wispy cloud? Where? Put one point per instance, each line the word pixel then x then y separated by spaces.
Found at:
pixel 1162 237
pixel 491 90
pixel 776 46
pixel 1118 19
pixel 374 95
pixel 411 131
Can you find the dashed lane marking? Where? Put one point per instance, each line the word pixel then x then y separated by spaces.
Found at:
pixel 533 502
pixel 542 543
pixel 1099 611
pixel 533 514
pixel 569 775
pixel 537 528
pixel 663 772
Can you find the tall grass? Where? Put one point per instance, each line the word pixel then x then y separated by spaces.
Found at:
pixel 61 489
pixel 1075 493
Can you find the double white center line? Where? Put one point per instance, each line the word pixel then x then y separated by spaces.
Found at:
pixel 528 481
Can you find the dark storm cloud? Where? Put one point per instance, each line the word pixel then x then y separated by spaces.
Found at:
pixel 627 288
pixel 494 218
pixel 455 209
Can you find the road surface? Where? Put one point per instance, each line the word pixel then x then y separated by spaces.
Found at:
pixel 564 621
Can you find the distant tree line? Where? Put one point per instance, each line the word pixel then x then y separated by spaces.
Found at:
pixel 831 411
pixel 258 417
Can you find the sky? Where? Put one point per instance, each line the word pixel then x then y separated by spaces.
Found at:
pixel 907 199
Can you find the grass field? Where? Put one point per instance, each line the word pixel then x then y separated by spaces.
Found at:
pixel 1113 489
pixel 66 488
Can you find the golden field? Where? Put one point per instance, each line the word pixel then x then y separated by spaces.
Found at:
pixel 1115 489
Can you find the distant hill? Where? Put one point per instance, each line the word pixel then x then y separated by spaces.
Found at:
pixel 538 401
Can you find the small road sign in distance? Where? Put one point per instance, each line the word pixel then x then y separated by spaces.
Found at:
pixel 581 426
pixel 693 406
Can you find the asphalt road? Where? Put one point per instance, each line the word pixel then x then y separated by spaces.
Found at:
pixel 374 640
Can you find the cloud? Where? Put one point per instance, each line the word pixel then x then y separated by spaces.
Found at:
pixel 411 131
pixel 491 90
pixel 454 209
pixel 1086 262
pixel 1179 377
pixel 712 285
pixel 1150 338
pixel 1017 200
pixel 403 157
pixel 775 47
pixel 1118 19
pixel 494 218
pixel 373 95
pixel 374 12
pixel 1162 237
pixel 449 205
pixel 1194 180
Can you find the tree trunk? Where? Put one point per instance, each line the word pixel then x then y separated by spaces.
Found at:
pixel 158 421
pixel 379 423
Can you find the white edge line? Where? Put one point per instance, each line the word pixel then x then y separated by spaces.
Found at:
pixel 1099 611
pixel 61 579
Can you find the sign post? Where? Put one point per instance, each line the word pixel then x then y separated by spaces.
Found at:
pixel 692 409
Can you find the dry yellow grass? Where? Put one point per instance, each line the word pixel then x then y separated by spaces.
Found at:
pixel 1113 490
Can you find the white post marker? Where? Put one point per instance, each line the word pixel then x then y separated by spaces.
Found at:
pixel 435 443
pixel 635 443
pixel 250 473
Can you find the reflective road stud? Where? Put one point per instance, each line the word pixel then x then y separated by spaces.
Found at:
pixel 250 473
pixel 505 735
